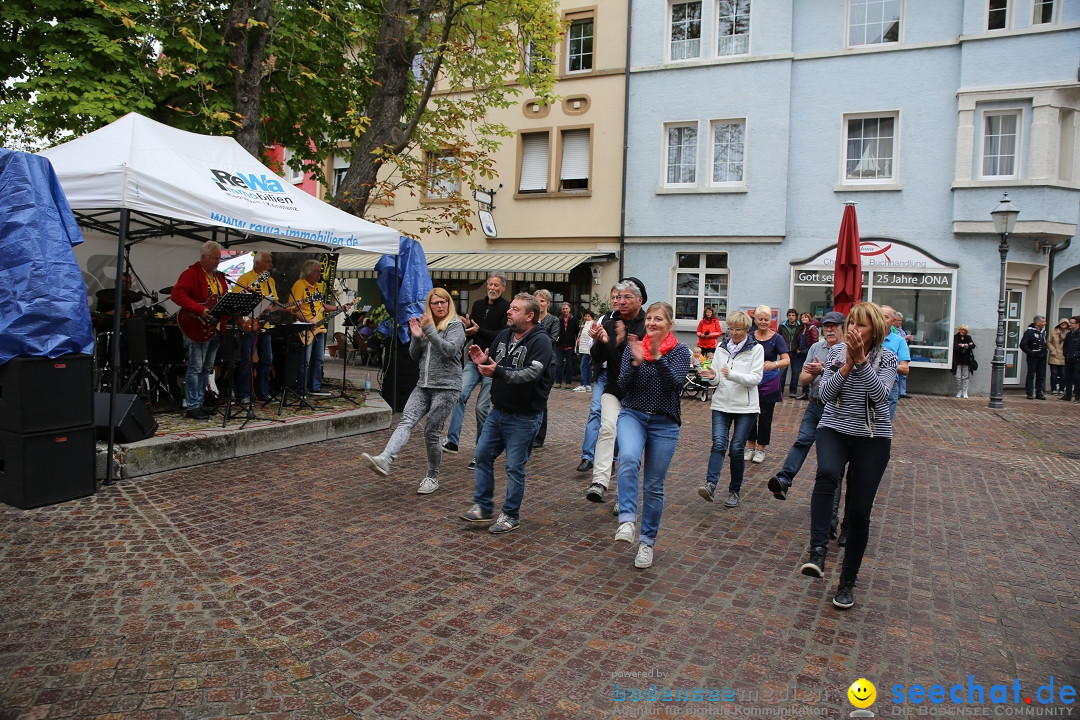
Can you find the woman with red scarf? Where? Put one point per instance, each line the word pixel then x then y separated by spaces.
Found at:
pixel 652 374
pixel 708 331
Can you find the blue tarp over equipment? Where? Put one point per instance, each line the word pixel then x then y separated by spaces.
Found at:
pixel 413 286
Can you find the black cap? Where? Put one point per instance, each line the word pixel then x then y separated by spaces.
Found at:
pixel 640 286
pixel 833 317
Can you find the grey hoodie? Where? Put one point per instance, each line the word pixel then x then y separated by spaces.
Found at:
pixel 439 354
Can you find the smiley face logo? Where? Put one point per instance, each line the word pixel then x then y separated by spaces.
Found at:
pixel 862 693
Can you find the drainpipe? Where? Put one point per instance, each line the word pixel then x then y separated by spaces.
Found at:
pixel 1051 320
pixel 626 135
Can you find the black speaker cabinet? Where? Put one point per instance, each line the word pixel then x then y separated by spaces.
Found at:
pixel 402 375
pixel 133 418
pixel 38 394
pixel 45 468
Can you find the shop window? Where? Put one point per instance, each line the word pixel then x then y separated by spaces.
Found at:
pixel 700 279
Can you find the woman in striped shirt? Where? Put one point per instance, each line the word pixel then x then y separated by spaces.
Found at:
pixel 855 430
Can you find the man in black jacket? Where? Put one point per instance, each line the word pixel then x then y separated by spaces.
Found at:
pixel 487 319
pixel 1034 346
pixel 520 369
pixel 609 340
pixel 1071 349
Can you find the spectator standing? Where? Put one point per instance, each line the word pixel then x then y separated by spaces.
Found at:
pixel 486 320
pixel 963 354
pixel 856 431
pixel 599 382
pixel 895 342
pixel 804 339
pixel 583 346
pixel 789 330
pixel 550 325
pixel 1033 343
pixel 1071 349
pixel 770 390
pixel 901 378
pixel 1056 356
pixel 708 331
pixel 437 339
pixel 736 371
pixel 519 364
pixel 564 347
pixel 652 373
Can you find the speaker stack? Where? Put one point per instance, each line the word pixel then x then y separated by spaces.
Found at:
pixel 46 430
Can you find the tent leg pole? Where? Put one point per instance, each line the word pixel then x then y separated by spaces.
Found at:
pixel 118 311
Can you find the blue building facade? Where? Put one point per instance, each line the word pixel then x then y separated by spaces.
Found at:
pixel 752 122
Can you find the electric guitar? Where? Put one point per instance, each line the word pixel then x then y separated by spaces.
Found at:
pixel 249 323
pixel 319 324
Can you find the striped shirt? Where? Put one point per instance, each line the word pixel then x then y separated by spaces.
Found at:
pixel 858 404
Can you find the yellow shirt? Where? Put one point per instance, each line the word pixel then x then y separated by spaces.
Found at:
pixel 266 287
pixel 311 310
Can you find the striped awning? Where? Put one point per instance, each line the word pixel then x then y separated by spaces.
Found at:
pixel 531 267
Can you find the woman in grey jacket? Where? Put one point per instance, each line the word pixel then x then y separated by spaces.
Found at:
pixel 437 340
pixel 736 370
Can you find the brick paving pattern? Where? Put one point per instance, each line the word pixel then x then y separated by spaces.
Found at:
pixel 297 584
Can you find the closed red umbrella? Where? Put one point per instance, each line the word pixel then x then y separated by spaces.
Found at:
pixel 847 277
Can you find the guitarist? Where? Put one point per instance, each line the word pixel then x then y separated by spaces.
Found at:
pixel 192 292
pixel 307 294
pixel 250 337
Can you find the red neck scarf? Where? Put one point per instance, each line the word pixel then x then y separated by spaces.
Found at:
pixel 665 346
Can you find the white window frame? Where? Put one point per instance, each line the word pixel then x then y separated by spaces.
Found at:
pixel 575 155
pixel 293 176
pixel 1018 138
pixel 534 57
pixel 702 298
pixel 740 42
pixel 446 184
pixel 1054 7
pixel 712 153
pixel 667 148
pixel 530 154
pixel 570 55
pixel 852 9
pixel 894 159
pixel 340 165
pixel 671 30
pixel 1007 10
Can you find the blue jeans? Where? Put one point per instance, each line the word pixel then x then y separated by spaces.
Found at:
pixel 311 362
pixel 656 436
pixel 514 433
pixel 564 367
pixel 807 433
pixel 721 425
pixel 470 378
pixel 592 425
pixel 248 342
pixel 797 361
pixel 894 399
pixel 901 380
pixel 866 459
pixel 200 364
pixel 586 369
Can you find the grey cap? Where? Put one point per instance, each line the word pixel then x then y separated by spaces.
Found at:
pixel 833 317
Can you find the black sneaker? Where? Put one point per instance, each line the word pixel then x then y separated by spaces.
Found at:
pixel 472 464
pixel 707 491
pixel 845 593
pixel 595 493
pixel 778 488
pixel 584 465
pixel 815 565
pixel 1040 397
pixel 450 447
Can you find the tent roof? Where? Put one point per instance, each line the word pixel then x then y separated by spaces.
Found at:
pixel 177 183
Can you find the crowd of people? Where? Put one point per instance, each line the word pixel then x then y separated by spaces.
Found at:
pixel 847 368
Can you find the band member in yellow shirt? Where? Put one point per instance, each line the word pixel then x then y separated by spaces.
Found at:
pixel 307 292
pixel 251 335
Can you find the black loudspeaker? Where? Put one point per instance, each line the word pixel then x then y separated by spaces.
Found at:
pixel 133 418
pixel 38 394
pixel 44 468
pixel 402 375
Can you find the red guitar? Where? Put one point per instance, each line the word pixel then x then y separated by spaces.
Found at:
pixel 195 327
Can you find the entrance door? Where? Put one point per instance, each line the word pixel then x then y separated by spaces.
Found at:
pixel 1014 314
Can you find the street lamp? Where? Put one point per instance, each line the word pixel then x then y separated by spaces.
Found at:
pixel 1004 216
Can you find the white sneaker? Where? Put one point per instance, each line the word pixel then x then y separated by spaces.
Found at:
pixel 377 463
pixel 579 388
pixel 965 395
pixel 759 456
pixel 625 533
pixel 959 394
pixel 748 453
pixel 644 556
pixel 428 485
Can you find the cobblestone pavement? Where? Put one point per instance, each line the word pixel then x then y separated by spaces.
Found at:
pixel 297 584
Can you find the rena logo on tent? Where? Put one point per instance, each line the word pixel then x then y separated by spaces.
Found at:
pixel 224 180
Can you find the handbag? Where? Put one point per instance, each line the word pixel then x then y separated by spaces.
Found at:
pixel 973 364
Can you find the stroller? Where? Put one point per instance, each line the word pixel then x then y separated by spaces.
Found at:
pixel 696 386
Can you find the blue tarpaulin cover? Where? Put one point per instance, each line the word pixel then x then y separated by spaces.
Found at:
pixel 413 286
pixel 43 310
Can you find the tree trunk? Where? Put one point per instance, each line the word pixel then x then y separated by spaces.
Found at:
pixel 247 31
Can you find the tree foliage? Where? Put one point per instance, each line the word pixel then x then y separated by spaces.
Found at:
pixel 394 79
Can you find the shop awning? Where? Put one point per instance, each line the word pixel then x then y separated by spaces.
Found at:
pixel 530 267
pixel 363 266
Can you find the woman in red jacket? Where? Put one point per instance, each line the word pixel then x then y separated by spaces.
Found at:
pixel 708 332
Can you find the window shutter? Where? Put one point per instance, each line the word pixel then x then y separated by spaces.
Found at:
pixel 534 162
pixel 575 155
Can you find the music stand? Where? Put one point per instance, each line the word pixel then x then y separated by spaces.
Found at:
pixel 344 394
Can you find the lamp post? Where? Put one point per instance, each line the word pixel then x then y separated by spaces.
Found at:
pixel 1004 216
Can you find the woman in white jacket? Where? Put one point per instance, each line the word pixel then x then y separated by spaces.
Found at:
pixel 736 371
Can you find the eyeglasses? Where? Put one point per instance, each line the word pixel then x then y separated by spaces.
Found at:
pixel 626 297
pixel 439 302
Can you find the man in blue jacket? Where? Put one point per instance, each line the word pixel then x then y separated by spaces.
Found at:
pixel 519 365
